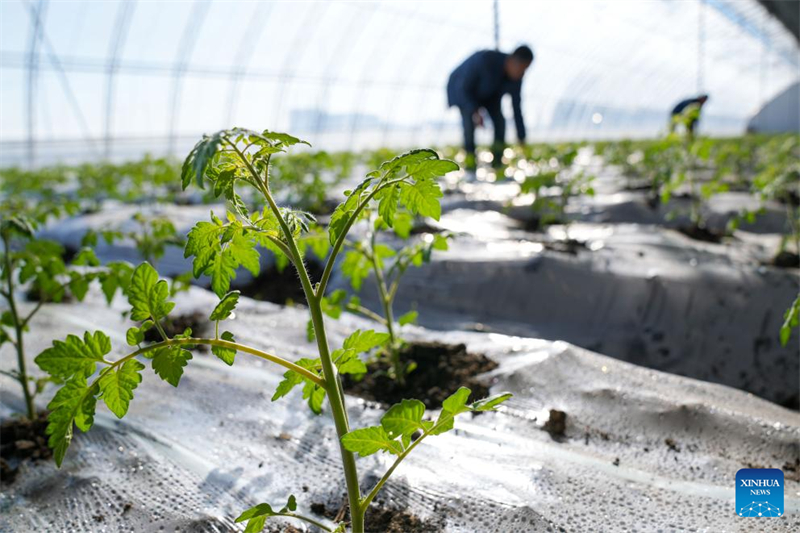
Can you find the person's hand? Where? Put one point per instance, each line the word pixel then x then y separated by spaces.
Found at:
pixel 477 119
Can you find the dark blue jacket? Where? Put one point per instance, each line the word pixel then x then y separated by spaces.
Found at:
pixel 683 104
pixel 481 80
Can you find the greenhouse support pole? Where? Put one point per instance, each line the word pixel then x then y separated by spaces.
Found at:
pixel 496 9
pixel 701 45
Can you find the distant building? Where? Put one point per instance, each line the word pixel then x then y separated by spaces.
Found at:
pixel 317 120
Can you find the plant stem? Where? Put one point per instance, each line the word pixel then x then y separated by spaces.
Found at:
pixel 306 519
pixel 386 302
pixel 374 492
pixel 326 273
pixel 18 330
pixel 232 346
pixel 336 399
pixel 366 312
pixel 331 378
pixel 384 293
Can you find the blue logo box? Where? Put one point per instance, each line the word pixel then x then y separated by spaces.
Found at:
pixel 759 492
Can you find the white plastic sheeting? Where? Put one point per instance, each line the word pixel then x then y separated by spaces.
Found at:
pixel 641 448
pixel 779 115
pixel 84 79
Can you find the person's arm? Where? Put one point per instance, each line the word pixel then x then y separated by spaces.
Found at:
pixel 519 121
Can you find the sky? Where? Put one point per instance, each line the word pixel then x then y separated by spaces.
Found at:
pixel 113 77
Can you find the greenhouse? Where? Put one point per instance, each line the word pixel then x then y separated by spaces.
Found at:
pixel 384 266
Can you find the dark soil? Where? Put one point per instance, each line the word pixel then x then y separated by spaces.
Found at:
pixel 556 425
pixel 383 519
pixel 792 470
pixel 33 295
pixel 281 287
pixel 423 227
pixel 786 260
pixel 702 233
pixel 22 439
pixel 177 324
pixel 533 224
pixel 568 246
pixel 653 201
pixel 441 370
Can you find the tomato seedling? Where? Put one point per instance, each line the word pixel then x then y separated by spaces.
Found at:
pixel 242 157
pixel 39 263
pixel 387 266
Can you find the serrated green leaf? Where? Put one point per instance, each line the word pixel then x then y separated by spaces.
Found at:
pixel 226 354
pixel 75 356
pixel 364 341
pixel 86 257
pixel 490 403
pixel 148 295
pixel 315 395
pixel 222 270
pixel 168 363
pixel 116 276
pixel 18 224
pixel 225 307
pixel 454 405
pixel 332 305
pixel 75 402
pixel 291 379
pixel 134 336
pixel 245 254
pixel 387 206
pixel 408 318
pixel 370 440
pixel 457 402
pixel 348 362
pixel 344 211
pixel 430 169
pixel 117 386
pixel 257 515
pixel 356 267
pixel 283 139
pixel 403 419
pixel 202 242
pixel 79 285
pixel 408 158
pixel 422 198
pixel 403 224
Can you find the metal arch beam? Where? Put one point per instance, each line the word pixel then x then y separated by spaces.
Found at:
pixel 341 52
pixel 185 48
pixel 361 81
pixel 120 33
pixel 243 54
pixel 424 95
pixel 37 13
pixel 408 73
pixel 788 13
pixel 308 25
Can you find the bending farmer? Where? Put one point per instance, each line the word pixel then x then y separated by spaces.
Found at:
pixel 478 84
pixel 687 112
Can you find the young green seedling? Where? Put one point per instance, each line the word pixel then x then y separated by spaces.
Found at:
pixel 151 236
pixel 387 266
pixel 39 263
pixel 228 159
pixel 791 319
pixel 552 171
pixel 303 180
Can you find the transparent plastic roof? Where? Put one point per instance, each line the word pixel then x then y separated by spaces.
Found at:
pixel 88 79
